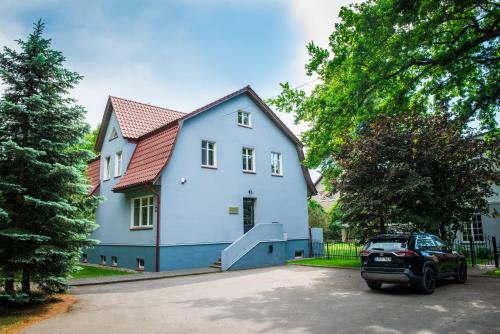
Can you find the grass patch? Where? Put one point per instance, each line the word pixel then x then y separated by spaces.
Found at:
pixel 495 272
pixel 347 263
pixel 92 271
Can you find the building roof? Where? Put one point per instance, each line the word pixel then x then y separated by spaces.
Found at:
pixel 149 158
pixel 156 144
pixel 93 174
pixel 135 118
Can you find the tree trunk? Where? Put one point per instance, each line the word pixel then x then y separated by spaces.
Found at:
pixel 9 285
pixel 25 283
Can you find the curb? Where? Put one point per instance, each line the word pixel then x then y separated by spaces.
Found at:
pixel 137 279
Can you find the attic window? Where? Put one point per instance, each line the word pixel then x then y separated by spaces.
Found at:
pixel 113 135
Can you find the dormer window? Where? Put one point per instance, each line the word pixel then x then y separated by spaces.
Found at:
pixel 113 135
pixel 244 119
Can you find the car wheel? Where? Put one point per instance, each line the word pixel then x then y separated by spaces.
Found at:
pixel 374 285
pixel 428 282
pixel 461 276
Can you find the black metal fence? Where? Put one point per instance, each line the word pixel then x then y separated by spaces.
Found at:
pixel 348 249
pixel 479 251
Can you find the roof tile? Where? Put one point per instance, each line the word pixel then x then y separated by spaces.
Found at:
pixel 150 156
pixel 137 119
pixel 93 174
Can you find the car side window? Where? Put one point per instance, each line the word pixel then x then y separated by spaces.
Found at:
pixel 425 243
pixel 440 245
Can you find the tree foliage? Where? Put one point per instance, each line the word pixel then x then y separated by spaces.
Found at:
pixel 388 57
pixel 415 172
pixel 44 207
pixel 317 215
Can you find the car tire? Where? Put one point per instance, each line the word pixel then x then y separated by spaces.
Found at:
pixel 428 281
pixel 374 285
pixel 461 276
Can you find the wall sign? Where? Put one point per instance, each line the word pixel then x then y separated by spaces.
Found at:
pixel 233 210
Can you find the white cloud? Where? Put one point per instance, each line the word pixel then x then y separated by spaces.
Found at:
pixel 317 21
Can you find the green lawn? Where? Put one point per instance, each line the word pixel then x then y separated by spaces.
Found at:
pixel 92 271
pixel 495 272
pixel 348 263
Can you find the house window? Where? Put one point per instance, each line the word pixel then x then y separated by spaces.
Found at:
pixel 142 212
pixel 248 155
pixel 84 258
pixel 103 260
pixel 114 261
pixel 118 164
pixel 276 164
pixel 208 154
pixel 140 264
pixel 473 230
pixel 299 254
pixel 244 119
pixel 113 135
pixel 107 172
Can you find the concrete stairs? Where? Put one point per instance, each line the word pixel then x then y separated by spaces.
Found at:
pixel 217 264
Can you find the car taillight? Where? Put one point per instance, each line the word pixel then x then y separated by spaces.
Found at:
pixel 364 252
pixel 405 253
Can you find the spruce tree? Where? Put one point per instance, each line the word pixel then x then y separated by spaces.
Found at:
pixel 45 210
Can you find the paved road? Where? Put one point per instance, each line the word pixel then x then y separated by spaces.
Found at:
pixel 278 300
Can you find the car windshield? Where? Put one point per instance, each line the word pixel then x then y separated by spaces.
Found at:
pixel 386 245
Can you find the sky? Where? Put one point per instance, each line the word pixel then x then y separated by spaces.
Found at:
pixel 177 54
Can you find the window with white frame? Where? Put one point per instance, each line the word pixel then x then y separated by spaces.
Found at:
pixel 248 156
pixel 114 261
pixel 474 229
pixel 142 212
pixel 208 153
pixel 276 164
pixel 103 260
pixel 118 164
pixel 244 119
pixel 113 135
pixel 140 264
pixel 107 166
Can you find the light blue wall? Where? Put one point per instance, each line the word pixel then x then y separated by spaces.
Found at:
pixel 197 211
pixel 189 256
pixel 260 256
pixel 127 255
pixel 114 215
pixel 297 245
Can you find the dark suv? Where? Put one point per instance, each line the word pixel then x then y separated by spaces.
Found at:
pixel 417 259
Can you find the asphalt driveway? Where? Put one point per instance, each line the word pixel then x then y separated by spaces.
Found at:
pixel 288 299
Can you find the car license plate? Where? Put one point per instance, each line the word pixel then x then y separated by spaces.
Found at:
pixel 382 259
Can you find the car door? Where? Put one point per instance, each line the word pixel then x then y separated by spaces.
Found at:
pixel 446 255
pixel 427 247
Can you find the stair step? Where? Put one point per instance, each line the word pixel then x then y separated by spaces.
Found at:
pixel 218 266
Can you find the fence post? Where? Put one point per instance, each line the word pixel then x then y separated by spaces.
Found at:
pixel 495 250
pixel 472 253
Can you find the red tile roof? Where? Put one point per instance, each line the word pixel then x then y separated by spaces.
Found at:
pixel 93 173
pixel 150 156
pixel 156 130
pixel 137 119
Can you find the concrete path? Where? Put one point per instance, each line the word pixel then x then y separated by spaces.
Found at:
pixel 287 299
pixel 141 276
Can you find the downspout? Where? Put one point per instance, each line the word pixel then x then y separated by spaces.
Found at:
pixel 157 246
